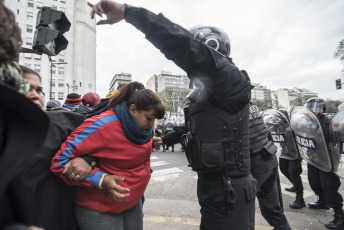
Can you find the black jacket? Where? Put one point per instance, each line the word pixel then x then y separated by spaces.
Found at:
pixel 227 88
pixel 36 196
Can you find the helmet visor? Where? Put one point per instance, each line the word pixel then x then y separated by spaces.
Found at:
pixel 315 106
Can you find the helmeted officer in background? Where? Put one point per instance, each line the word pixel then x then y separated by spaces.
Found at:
pixel 292 170
pixel 218 139
pixel 325 184
pixel 264 168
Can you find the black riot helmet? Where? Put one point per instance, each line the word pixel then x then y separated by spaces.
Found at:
pixel 316 104
pixel 213 37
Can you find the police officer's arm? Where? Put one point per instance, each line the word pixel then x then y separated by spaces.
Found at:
pixel 174 136
pixel 195 58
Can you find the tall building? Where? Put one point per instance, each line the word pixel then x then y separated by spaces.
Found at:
pixel 120 78
pixel 261 93
pixel 158 82
pixel 79 73
pixel 283 96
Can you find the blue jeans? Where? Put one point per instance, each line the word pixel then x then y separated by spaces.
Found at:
pixel 89 219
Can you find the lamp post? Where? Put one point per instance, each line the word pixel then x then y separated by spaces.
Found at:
pixel 51 73
pixel 74 87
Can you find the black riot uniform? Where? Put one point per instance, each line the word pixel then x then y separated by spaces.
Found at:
pixel 292 170
pixel 325 184
pixel 218 126
pixel 264 168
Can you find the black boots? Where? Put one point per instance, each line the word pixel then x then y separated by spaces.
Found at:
pixel 338 222
pixel 320 204
pixel 298 203
pixel 290 189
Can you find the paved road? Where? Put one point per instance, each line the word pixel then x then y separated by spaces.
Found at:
pixel 171 201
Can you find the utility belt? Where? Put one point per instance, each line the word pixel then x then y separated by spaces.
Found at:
pixel 267 151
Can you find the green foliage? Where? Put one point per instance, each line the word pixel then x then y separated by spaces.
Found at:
pixel 262 105
pixel 339 53
pixel 332 105
pixel 300 101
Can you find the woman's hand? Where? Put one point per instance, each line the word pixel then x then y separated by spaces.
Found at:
pixel 157 142
pixel 77 169
pixel 117 192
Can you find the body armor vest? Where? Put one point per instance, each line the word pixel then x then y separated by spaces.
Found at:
pixel 258 130
pixel 218 141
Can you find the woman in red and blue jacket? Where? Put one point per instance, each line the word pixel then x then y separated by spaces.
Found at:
pixel 122 139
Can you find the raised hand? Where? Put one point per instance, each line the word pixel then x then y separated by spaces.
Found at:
pixel 114 11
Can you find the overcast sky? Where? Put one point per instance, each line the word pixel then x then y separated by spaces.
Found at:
pixel 280 43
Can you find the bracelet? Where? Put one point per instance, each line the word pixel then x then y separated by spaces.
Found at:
pixel 101 181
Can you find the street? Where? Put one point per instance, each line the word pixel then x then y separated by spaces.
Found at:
pixel 171 200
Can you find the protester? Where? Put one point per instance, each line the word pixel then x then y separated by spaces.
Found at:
pixel 35 94
pixel 54 105
pixel 90 99
pixel 226 196
pixel 72 100
pixel 20 119
pixel 122 140
pixel 325 184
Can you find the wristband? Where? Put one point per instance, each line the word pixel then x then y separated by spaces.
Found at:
pixel 101 181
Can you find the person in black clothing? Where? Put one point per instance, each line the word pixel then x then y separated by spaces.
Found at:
pixel 325 184
pixel 218 113
pixel 292 170
pixel 264 168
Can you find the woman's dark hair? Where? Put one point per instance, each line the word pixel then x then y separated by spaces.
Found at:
pixel 10 38
pixel 144 99
pixel 27 70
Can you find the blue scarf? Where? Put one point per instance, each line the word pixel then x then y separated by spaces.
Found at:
pixel 132 131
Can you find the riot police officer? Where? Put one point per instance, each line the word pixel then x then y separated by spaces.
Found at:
pixel 292 170
pixel 325 184
pixel 218 124
pixel 264 168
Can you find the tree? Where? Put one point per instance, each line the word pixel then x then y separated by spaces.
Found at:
pixel 174 97
pixel 262 105
pixel 300 101
pixel 332 105
pixel 339 53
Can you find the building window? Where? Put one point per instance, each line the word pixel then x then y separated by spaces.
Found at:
pixel 52 95
pixel 61 70
pixel 18 12
pixel 53 83
pixel 54 70
pixel 29 16
pixel 61 83
pixel 38 57
pixel 54 7
pixel 28 41
pixel 28 65
pixel 29 28
pixel 61 57
pixel 37 68
pixel 90 86
pixel 30 4
pixel 63 1
pixel 63 9
pixel 60 95
pixel 28 55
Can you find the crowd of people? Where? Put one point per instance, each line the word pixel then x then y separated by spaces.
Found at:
pixel 86 164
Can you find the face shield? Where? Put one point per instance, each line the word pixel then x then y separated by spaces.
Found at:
pixel 315 106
